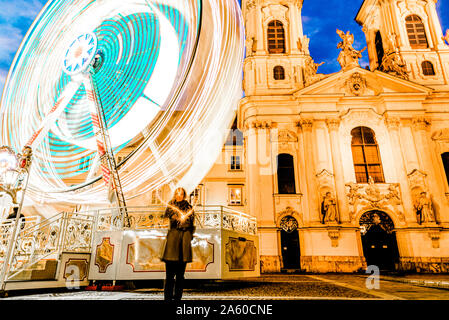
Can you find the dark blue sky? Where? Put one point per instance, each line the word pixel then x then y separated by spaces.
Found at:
pixel 320 20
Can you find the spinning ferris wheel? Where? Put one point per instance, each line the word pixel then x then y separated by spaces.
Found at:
pixel 158 79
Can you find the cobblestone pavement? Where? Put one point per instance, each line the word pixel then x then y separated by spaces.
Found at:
pixel 267 287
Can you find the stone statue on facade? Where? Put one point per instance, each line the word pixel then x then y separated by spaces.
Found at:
pixel 250 44
pixel 329 209
pixel 446 37
pixel 303 44
pixel 392 63
pixel 424 210
pixel 348 57
pixel 310 71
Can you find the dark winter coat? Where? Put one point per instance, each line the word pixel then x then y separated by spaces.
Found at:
pixel 178 245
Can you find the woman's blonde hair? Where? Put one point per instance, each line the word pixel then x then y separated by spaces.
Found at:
pixel 176 191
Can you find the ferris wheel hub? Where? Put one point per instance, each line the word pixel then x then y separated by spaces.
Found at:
pixel 80 53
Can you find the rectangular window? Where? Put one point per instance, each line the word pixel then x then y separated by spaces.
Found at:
pixel 235 163
pixel 235 195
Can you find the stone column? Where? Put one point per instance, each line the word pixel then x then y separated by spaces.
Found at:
pixel 314 213
pixel 401 171
pixel 342 203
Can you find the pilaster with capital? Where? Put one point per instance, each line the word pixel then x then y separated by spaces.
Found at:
pixel 305 126
pixel 393 124
pixel 333 126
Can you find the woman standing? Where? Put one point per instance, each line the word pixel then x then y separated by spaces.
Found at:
pixel 178 248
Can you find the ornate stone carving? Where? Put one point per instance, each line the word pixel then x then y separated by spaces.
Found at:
pixel 333 124
pixel 371 196
pixel 420 123
pixel 392 123
pixel 310 72
pixel 334 235
pixel 356 84
pixel 288 223
pixel 434 235
pixel 393 64
pixel 442 134
pixel 348 57
pixel 276 11
pixel 286 136
pixel 250 4
pixel 257 124
pixel 417 179
pixel 305 124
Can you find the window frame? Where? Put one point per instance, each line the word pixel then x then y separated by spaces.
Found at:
pixel 429 66
pixel 276 37
pixel 292 178
pixel 366 165
pixel 415 25
pixel 233 164
pixel 232 202
pixel 279 70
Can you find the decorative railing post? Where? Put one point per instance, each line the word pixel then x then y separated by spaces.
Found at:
pixel 9 254
pixel 62 233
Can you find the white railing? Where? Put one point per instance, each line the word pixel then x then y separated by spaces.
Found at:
pixel 35 240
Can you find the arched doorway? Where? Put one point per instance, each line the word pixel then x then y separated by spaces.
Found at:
pixel 379 242
pixel 290 243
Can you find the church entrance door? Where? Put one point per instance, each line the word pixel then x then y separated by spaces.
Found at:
pixel 379 240
pixel 290 243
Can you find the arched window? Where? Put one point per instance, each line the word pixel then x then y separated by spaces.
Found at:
pixel 416 32
pixel 365 153
pixel 427 68
pixel 276 37
pixel 379 48
pixel 286 174
pixel 278 73
pixel 445 157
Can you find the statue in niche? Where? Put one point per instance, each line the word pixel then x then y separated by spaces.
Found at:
pixel 424 210
pixel 329 209
pixel 348 57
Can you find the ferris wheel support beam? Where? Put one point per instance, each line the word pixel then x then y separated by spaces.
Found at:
pixel 53 115
pixel 107 161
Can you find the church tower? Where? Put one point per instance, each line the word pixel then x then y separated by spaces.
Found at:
pixel 405 39
pixel 276 48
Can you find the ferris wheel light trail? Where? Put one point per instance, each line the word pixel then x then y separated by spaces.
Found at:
pixel 169 83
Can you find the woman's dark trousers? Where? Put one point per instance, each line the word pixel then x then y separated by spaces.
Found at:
pixel 174 269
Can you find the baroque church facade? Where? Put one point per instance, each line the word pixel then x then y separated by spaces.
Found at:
pixel 348 169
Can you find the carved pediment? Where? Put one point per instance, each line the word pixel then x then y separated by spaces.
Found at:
pixel 361 82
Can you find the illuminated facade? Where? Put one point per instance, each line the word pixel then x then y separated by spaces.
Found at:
pixel 348 169
pixel 342 170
